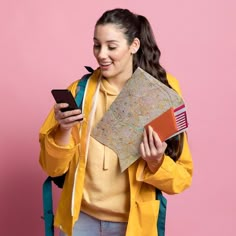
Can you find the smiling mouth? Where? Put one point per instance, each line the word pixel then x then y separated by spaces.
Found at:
pixel 104 66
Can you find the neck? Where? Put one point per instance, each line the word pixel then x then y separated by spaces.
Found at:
pixel 120 80
pixel 118 83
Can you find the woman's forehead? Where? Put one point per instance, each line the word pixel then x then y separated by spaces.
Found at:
pixel 108 32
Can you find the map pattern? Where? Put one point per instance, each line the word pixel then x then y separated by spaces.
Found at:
pixel 142 99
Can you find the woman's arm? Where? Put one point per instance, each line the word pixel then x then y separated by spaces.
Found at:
pixel 59 139
pixel 55 157
pixel 171 177
pixel 159 169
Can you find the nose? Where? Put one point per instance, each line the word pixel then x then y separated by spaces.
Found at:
pixel 102 53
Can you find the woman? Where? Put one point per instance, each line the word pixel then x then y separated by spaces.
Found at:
pixel 97 199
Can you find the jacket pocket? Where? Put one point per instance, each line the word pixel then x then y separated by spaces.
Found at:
pixel 143 219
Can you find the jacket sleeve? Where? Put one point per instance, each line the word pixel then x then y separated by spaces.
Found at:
pixel 55 159
pixel 172 177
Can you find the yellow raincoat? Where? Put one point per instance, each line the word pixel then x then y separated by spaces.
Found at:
pixel 172 177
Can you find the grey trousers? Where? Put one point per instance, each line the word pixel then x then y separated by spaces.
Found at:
pixel 90 226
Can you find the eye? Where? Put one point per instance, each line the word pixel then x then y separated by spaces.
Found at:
pixel 112 48
pixel 96 46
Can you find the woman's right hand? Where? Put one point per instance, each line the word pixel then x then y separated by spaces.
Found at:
pixel 66 121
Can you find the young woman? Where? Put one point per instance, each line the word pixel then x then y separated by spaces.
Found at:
pixel 97 199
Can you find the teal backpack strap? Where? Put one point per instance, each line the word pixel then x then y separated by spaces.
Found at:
pixel 48 215
pixel 161 222
pixel 81 87
pixel 48 207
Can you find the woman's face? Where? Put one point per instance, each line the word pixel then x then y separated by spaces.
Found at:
pixel 112 52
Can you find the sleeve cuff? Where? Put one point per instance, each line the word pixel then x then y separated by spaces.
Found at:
pixel 58 151
pixel 144 174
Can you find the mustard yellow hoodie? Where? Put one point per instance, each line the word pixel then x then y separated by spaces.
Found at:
pixel 106 188
pixel 171 178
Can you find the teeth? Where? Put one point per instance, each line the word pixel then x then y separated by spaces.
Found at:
pixel 105 64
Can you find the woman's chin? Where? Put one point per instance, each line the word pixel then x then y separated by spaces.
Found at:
pixel 106 73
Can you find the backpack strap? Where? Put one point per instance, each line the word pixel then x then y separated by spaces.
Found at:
pixel 161 221
pixel 48 215
pixel 81 88
pixel 48 207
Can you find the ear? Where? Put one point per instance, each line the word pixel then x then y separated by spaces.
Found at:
pixel 134 47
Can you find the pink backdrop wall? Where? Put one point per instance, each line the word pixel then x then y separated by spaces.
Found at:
pixel 45 44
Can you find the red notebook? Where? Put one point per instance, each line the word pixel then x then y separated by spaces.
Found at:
pixel 170 123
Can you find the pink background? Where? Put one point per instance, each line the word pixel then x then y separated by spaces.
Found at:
pixel 45 44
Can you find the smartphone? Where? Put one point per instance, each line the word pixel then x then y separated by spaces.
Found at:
pixel 64 96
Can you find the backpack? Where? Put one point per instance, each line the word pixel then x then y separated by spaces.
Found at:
pixel 48 215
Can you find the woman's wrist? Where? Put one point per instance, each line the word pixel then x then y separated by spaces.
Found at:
pixel 154 164
pixel 62 136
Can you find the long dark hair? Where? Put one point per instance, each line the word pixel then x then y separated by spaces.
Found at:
pixel 148 56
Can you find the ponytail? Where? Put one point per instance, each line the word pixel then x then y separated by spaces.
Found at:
pixel 148 58
pixel 148 55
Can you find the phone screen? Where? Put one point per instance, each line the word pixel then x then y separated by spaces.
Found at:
pixel 64 96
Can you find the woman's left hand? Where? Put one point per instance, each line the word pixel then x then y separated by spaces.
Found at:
pixel 152 149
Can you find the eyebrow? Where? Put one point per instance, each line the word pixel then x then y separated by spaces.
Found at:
pixel 108 41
